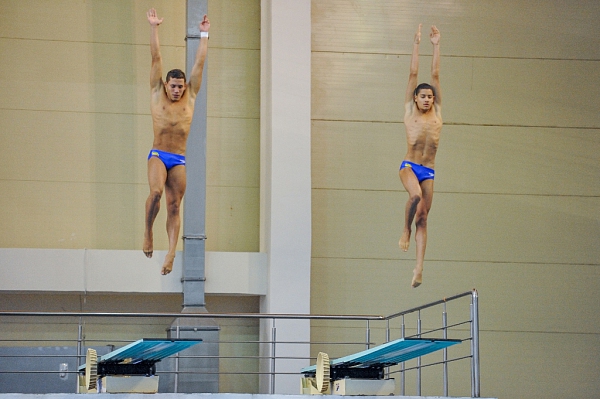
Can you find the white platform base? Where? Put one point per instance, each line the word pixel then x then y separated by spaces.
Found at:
pixel 349 386
pixel 128 384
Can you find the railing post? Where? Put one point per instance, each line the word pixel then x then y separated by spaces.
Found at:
pixel 475 384
pixel 445 351
pixel 387 339
pixel 273 346
pixel 402 373
pixel 176 376
pixel 419 358
pixel 388 333
pixel 368 335
pixel 79 348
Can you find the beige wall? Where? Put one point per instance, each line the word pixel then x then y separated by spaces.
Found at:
pixel 516 209
pixel 516 213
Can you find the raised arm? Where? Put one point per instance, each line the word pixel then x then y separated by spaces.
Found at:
pixel 434 36
pixel 196 75
pixel 414 69
pixel 156 69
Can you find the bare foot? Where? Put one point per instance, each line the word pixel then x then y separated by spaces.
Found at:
pixel 148 246
pixel 168 265
pixel 417 278
pixel 404 240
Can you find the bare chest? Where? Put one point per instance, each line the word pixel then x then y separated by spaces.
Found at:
pixel 172 117
pixel 423 129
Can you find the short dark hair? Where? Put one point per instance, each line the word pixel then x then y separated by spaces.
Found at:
pixel 175 74
pixel 424 86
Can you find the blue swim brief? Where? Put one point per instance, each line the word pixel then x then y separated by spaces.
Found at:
pixel 422 172
pixel 168 158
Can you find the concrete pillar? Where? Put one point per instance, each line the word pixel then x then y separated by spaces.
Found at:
pixel 194 220
pixel 286 182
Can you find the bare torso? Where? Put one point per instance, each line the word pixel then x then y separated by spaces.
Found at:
pixel 171 121
pixel 422 135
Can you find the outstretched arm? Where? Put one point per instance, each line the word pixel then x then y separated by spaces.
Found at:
pixel 156 69
pixel 414 69
pixel 196 75
pixel 434 36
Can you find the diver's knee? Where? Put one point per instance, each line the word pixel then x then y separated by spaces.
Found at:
pixel 174 207
pixel 421 219
pixel 415 199
pixel 155 195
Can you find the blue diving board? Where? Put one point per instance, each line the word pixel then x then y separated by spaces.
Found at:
pixel 385 355
pixel 140 356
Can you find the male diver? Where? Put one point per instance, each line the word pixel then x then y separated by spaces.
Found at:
pixel 423 123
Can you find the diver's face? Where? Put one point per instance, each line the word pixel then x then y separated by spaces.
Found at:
pixel 424 99
pixel 175 89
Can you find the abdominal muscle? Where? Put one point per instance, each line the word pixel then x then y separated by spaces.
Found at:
pixel 422 149
pixel 422 138
pixel 172 126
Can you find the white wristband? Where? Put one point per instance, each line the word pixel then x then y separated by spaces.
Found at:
pixel 203 34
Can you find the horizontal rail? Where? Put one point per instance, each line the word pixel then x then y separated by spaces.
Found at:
pixel 440 329
pixel 429 305
pixel 431 364
pixel 165 372
pixel 196 315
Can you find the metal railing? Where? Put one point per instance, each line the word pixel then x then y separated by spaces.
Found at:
pixel 473 338
pixel 389 322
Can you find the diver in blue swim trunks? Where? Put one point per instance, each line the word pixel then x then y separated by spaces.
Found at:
pixel 423 123
pixel 172 107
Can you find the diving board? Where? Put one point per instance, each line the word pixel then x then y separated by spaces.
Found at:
pixel 389 354
pixel 369 364
pixel 136 359
pixel 139 357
